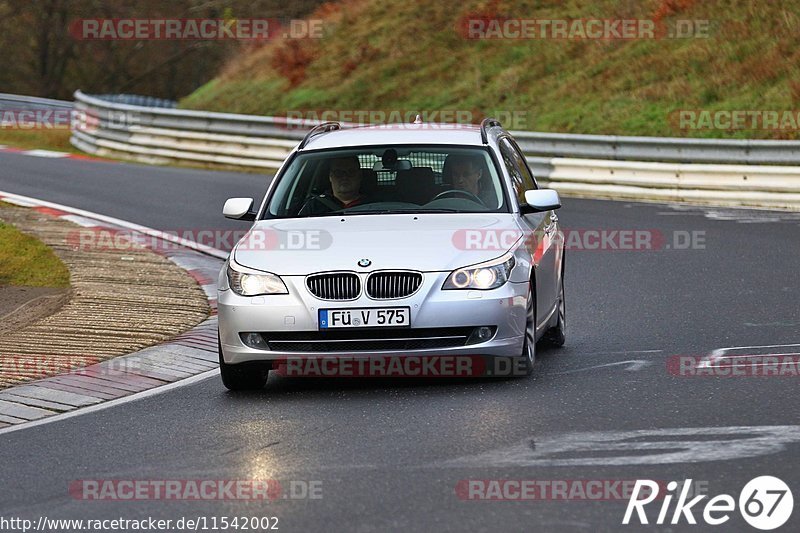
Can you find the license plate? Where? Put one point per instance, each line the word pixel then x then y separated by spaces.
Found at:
pixel 364 318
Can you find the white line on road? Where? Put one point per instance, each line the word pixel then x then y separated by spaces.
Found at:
pixel 31 202
pixel 28 201
pixel 112 403
pixel 46 153
pixel 726 353
pixel 758 346
pixel 636 447
pixel 633 365
pixel 625 352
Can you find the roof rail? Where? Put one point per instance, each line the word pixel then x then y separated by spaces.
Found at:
pixel 319 129
pixel 485 125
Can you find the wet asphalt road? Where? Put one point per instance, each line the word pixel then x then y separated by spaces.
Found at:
pixel 390 454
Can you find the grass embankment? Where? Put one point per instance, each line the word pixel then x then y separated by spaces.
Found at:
pixel 413 56
pixel 25 261
pixel 56 139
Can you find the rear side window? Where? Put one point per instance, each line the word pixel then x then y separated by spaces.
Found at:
pixel 521 178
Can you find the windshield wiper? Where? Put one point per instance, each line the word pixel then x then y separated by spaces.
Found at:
pixel 396 211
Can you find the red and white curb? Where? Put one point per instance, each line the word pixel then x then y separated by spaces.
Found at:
pixel 192 354
pixel 48 154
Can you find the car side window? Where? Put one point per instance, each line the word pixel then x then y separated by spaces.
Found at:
pixel 521 178
pixel 527 177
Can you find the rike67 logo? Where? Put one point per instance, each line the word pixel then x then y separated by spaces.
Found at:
pixel 765 503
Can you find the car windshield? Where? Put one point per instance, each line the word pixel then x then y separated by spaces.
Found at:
pixel 388 180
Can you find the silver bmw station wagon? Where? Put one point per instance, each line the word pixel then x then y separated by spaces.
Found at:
pixel 401 240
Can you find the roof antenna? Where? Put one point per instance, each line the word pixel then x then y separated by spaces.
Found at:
pixel 418 120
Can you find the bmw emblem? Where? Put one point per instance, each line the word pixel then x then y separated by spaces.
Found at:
pixel 364 263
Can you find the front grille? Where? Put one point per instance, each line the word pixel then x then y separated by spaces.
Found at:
pixel 392 285
pixel 334 286
pixel 367 340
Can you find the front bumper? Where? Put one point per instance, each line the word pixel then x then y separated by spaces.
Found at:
pixel 431 307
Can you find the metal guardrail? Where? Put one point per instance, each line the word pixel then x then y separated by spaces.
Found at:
pixel 536 145
pixel 662 149
pixel 161 135
pixel 17 111
pixel 19 102
pixel 138 100
pixel 200 121
pixel 732 172
pixel 734 185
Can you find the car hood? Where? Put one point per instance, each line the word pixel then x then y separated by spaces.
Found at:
pixel 428 243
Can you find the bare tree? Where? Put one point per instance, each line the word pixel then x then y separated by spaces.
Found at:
pixel 42 56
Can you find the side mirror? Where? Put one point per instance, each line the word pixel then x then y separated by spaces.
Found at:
pixel 239 209
pixel 539 200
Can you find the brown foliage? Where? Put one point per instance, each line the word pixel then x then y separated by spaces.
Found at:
pixel 794 88
pixel 667 8
pixel 291 59
pixel 365 54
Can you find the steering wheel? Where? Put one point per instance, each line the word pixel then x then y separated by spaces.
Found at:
pixel 459 192
pixel 322 199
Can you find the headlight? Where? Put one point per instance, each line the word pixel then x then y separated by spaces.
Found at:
pixel 484 276
pixel 249 283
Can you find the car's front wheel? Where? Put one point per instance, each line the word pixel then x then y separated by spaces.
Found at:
pixel 557 335
pixel 528 356
pixel 244 376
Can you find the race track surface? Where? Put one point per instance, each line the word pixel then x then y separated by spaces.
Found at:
pixel 390 454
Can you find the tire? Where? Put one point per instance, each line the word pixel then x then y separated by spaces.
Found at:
pixel 528 355
pixel 244 376
pixel 557 335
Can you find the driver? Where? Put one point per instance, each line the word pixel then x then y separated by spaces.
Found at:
pixel 345 178
pixel 344 175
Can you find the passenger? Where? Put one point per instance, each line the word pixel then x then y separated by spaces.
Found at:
pixel 465 172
